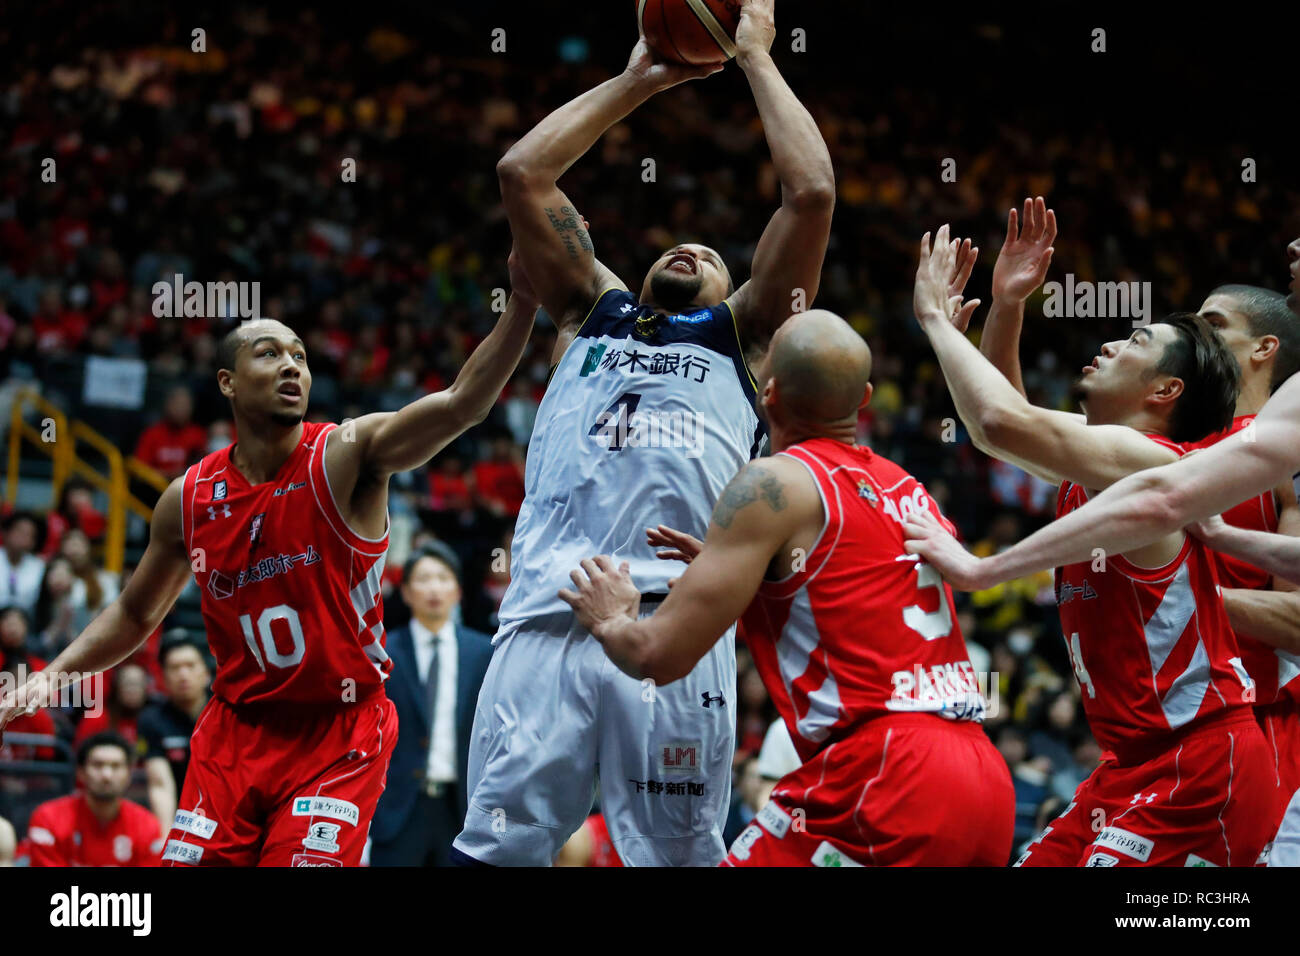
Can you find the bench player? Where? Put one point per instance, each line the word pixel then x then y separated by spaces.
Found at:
pixel 856 643
pixel 1187 777
pixel 285 532
pixel 669 361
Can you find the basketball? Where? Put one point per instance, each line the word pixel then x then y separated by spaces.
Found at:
pixel 694 32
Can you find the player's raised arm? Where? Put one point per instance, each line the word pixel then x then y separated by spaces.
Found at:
pixel 1054 445
pixel 387 442
pixel 786 270
pixel 126 623
pixel 756 515
pixel 1141 508
pixel 553 244
pixel 1021 268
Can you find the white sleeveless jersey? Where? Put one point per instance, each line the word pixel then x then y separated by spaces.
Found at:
pixel 646 418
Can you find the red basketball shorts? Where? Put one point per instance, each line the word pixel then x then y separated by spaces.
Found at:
pixel 904 790
pixel 1211 799
pixel 282 788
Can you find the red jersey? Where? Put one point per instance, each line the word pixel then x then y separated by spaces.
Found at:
pixel 64 832
pixel 291 596
pixel 1151 647
pixel 1274 671
pixel 863 628
pixel 167 448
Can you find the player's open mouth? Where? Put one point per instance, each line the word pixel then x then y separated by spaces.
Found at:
pixel 290 391
pixel 1094 367
pixel 683 260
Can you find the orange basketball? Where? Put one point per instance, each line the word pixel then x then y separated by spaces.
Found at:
pixel 690 31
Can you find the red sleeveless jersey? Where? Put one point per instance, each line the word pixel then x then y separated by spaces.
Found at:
pixel 1273 671
pixel 291 595
pixel 863 628
pixel 1151 647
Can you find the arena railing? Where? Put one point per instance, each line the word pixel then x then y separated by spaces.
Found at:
pixel 63 451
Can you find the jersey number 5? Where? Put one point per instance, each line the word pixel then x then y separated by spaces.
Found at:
pixel 931 625
pixel 281 612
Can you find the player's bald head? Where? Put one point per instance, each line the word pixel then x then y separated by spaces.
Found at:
pixel 820 367
pixel 246 333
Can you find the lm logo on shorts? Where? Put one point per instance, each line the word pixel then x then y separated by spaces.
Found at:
pixel 680 756
pixel 326 807
pixel 323 837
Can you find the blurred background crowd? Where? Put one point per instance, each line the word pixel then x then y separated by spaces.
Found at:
pixel 225 165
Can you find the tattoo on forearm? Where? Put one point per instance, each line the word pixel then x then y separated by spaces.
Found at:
pixel 753 483
pixel 569 225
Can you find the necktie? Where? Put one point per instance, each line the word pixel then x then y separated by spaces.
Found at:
pixel 431 685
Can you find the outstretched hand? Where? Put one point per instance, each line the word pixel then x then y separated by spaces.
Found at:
pixel 926 536
pixel 647 66
pixel 940 278
pixel 1027 253
pixel 603 593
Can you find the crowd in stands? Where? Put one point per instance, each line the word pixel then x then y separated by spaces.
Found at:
pixel 225 165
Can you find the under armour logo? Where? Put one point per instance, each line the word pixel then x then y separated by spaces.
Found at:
pixel 212 512
pixel 710 701
pixel 1144 797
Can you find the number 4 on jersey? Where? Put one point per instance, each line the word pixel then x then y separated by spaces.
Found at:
pixel 613 426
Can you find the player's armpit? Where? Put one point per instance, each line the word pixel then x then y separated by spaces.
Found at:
pixel 553 243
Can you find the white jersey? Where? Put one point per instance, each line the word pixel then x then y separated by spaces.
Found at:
pixel 646 418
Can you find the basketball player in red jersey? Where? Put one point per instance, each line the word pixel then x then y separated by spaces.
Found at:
pixel 1187 778
pixel 285 532
pixel 1264 337
pixel 856 642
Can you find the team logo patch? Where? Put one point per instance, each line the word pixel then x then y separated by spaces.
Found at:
pixel 866 491
pixel 307 859
pixel 827 855
pixel 1194 860
pixel 745 842
pixel 680 756
pixel 1126 842
pixel 195 823
pixel 775 820
pixel 41 836
pixel 1102 859
pixel 219 490
pixel 182 852
pixel 326 807
pixel 122 848
pixel 323 837
pixel 220 586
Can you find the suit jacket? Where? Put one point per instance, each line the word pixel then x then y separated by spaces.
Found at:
pixel 411 754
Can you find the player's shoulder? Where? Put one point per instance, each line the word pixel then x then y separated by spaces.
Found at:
pixel 55 810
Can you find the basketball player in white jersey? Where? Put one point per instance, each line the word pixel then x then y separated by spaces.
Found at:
pixel 649 412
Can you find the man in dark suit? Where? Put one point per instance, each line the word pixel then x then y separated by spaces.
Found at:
pixel 438 667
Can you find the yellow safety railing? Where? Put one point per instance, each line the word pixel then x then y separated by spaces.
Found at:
pixel 58 439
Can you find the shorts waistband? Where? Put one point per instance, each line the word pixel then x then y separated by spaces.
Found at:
pixel 1218 722
pixel 559 621
pixel 263 710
